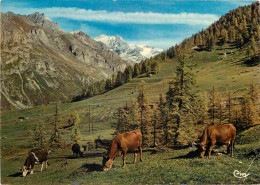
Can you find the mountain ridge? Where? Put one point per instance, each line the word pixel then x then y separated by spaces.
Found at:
pixel 135 53
pixel 38 58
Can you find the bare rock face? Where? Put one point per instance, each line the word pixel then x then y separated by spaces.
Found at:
pixel 41 63
pixel 45 22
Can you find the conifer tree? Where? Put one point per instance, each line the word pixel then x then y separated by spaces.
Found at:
pixel 155 67
pixel 229 106
pixel 250 115
pixel 254 94
pixel 119 79
pixel 214 105
pixel 119 116
pixel 109 84
pixel 239 41
pixel 163 121
pixel 37 135
pixel 85 93
pixel 75 132
pixel 55 140
pixel 181 103
pixel 126 118
pixel 145 117
pixel 136 70
pixel 113 80
pixel 128 73
pixel 155 121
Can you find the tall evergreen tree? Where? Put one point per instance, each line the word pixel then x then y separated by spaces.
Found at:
pixel 136 70
pixel 145 117
pixel 181 100
pixel 55 140
pixel 214 105
pixel 37 135
pixel 75 132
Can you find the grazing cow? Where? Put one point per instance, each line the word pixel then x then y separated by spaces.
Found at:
pixel 76 150
pixel 39 156
pixel 217 135
pixel 129 141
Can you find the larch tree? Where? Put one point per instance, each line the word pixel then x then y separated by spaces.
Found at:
pixel 180 99
pixel 136 70
pixel 214 105
pixel 75 132
pixel 37 135
pixel 145 115
pixel 250 114
pixel 229 107
pixel 55 140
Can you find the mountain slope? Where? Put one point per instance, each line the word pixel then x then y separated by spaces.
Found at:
pixel 135 53
pixel 39 60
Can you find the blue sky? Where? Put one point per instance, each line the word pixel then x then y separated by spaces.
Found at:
pixel 150 22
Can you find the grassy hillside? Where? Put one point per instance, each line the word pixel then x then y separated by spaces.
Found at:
pixel 225 71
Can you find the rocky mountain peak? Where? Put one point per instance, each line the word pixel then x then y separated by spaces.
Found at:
pixel 44 21
pixel 134 53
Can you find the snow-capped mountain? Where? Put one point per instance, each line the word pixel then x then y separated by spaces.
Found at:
pixel 135 53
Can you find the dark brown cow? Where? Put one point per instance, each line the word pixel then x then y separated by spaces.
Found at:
pixel 129 141
pixel 76 150
pixel 39 156
pixel 217 135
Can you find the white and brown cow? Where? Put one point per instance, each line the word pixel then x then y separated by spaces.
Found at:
pixel 39 156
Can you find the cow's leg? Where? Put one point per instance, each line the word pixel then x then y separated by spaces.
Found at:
pixel 202 154
pixel 42 166
pixel 124 156
pixel 229 148
pixel 141 153
pixel 135 155
pixel 46 165
pixel 211 147
pixel 31 172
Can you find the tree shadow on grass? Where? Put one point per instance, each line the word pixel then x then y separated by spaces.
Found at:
pixel 92 167
pixel 196 154
pixel 85 155
pixel 254 61
pixel 190 155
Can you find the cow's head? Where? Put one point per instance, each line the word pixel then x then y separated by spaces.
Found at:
pixel 107 163
pixel 202 148
pixel 24 170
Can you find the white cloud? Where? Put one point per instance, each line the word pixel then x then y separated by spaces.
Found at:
pixel 157 43
pixel 124 17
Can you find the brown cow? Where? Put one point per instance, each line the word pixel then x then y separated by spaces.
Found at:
pixel 217 135
pixel 129 141
pixel 39 156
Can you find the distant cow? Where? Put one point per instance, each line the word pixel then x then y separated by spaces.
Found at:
pixel 129 141
pixel 76 150
pixel 39 156
pixel 217 135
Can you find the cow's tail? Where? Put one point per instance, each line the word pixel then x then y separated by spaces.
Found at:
pixel 204 136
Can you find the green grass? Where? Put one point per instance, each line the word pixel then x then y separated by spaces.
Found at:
pixel 249 136
pixel 210 68
pixel 157 168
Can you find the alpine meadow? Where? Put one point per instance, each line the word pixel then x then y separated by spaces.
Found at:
pixel 82 110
